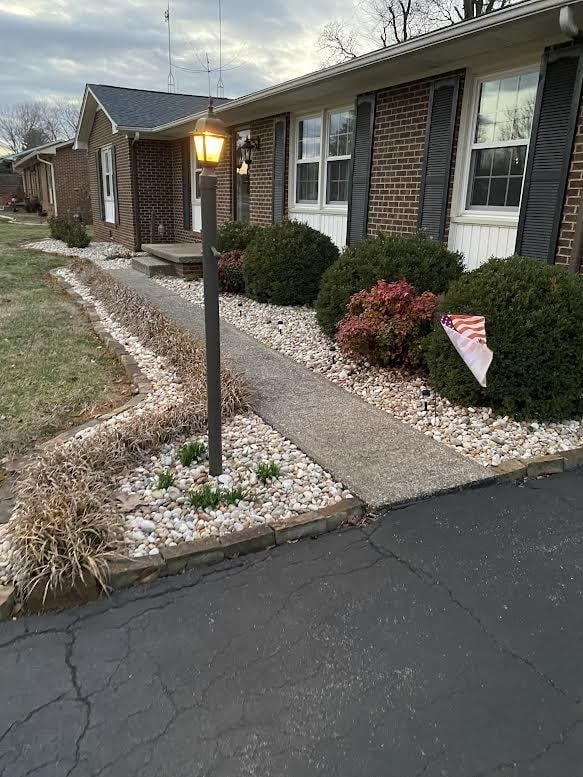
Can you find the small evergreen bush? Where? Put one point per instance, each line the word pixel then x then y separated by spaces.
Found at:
pixel 387 325
pixel 425 263
pixel 236 235
pixel 231 279
pixel 59 228
pixel 77 236
pixel 534 326
pixel 285 262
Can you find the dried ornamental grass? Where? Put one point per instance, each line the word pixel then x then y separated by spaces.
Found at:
pixel 64 528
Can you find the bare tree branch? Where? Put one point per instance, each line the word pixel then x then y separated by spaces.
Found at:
pixel 29 124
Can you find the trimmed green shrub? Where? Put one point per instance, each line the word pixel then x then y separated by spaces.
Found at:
pixel 231 278
pixel 236 235
pixel 77 236
pixel 425 263
pixel 285 262
pixel 534 326
pixel 59 228
pixel 387 325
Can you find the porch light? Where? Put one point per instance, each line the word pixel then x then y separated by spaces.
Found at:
pixel 209 137
pixel 247 148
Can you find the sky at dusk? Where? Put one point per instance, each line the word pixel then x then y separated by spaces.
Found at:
pixel 51 48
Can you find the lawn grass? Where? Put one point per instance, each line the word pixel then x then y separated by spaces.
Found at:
pixel 54 370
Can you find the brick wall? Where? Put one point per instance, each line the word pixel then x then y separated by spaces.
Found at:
pixel 10 186
pixel 124 232
pixel 225 183
pixel 573 197
pixel 397 157
pixel 181 235
pixel 155 193
pixel 72 183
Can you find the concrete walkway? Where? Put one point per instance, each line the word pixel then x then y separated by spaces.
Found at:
pixel 381 459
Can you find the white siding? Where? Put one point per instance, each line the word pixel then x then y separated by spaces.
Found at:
pixel 478 242
pixel 331 224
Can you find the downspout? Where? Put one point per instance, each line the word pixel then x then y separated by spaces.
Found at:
pixel 135 193
pixel 569 28
pixel 50 164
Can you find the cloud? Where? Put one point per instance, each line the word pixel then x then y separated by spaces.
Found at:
pixel 51 48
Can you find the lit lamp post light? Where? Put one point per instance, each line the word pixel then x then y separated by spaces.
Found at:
pixel 209 138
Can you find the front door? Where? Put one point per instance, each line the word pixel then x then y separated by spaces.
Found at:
pixel 195 189
pixel 242 180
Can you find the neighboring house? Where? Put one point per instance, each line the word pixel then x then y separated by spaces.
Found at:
pixel 10 182
pixel 136 178
pixel 472 134
pixel 55 176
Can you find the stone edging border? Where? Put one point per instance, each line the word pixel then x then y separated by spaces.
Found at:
pixel 127 572
pixel 550 464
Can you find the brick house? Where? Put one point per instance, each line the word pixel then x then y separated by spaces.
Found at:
pixel 472 134
pixel 55 176
pixel 10 182
pixel 136 173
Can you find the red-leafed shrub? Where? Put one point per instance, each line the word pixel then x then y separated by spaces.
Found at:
pixel 387 324
pixel 231 272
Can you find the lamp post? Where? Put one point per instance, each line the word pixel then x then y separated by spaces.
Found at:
pixel 209 138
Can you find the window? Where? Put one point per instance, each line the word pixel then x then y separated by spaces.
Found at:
pixel 308 160
pixel 324 163
pixel 243 190
pixel 107 181
pixel 340 128
pixel 49 174
pixel 500 142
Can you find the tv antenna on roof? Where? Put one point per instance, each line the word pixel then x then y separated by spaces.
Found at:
pixel 171 81
pixel 220 84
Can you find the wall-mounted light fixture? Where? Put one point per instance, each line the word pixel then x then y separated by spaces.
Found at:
pixel 247 148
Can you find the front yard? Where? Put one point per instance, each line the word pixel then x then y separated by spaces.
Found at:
pixel 55 370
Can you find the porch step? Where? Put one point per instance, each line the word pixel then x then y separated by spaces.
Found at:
pixel 179 253
pixel 151 265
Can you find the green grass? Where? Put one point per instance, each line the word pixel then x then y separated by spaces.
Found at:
pixel 54 369
pixel 191 451
pixel 267 471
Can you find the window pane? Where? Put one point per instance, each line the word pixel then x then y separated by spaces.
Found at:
pixel 484 161
pixel 337 181
pixel 309 138
pixel 340 128
pixel 480 192
pixel 501 164
pixel 307 182
pixel 513 196
pixel 518 157
pixel 497 196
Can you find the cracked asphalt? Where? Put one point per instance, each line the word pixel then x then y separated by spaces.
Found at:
pixel 445 638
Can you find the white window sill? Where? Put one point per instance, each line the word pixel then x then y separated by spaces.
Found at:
pixel 487 219
pixel 299 208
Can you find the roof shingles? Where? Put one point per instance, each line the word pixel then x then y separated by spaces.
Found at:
pixel 144 109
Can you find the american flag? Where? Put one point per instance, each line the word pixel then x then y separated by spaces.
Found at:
pixel 468 336
pixel 472 327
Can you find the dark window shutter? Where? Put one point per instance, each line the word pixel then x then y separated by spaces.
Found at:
pixel 549 154
pixel 100 185
pixel 115 191
pixel 186 193
pixel 358 191
pixel 443 101
pixel 279 164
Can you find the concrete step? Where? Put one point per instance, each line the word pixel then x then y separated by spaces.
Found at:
pixel 152 265
pixel 179 253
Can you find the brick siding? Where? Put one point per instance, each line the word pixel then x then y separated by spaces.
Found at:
pixel 11 185
pixel 124 232
pixel 225 182
pixel 180 234
pixel 72 183
pixel 155 194
pixel 573 197
pixel 397 157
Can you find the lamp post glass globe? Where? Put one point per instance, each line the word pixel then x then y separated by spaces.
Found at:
pixel 209 138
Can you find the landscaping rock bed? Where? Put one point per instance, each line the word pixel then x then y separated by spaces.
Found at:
pixel 109 254
pixel 152 518
pixel 477 432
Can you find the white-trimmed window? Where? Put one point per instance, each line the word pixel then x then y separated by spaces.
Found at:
pixel 322 161
pixel 107 181
pixel 501 133
pixel 308 159
pixel 340 127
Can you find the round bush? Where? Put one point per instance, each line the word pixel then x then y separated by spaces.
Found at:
pixel 424 263
pixel 236 235
pixel 534 326
pixel 231 278
pixel 285 262
pixel 77 236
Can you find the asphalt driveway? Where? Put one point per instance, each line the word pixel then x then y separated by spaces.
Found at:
pixel 444 639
